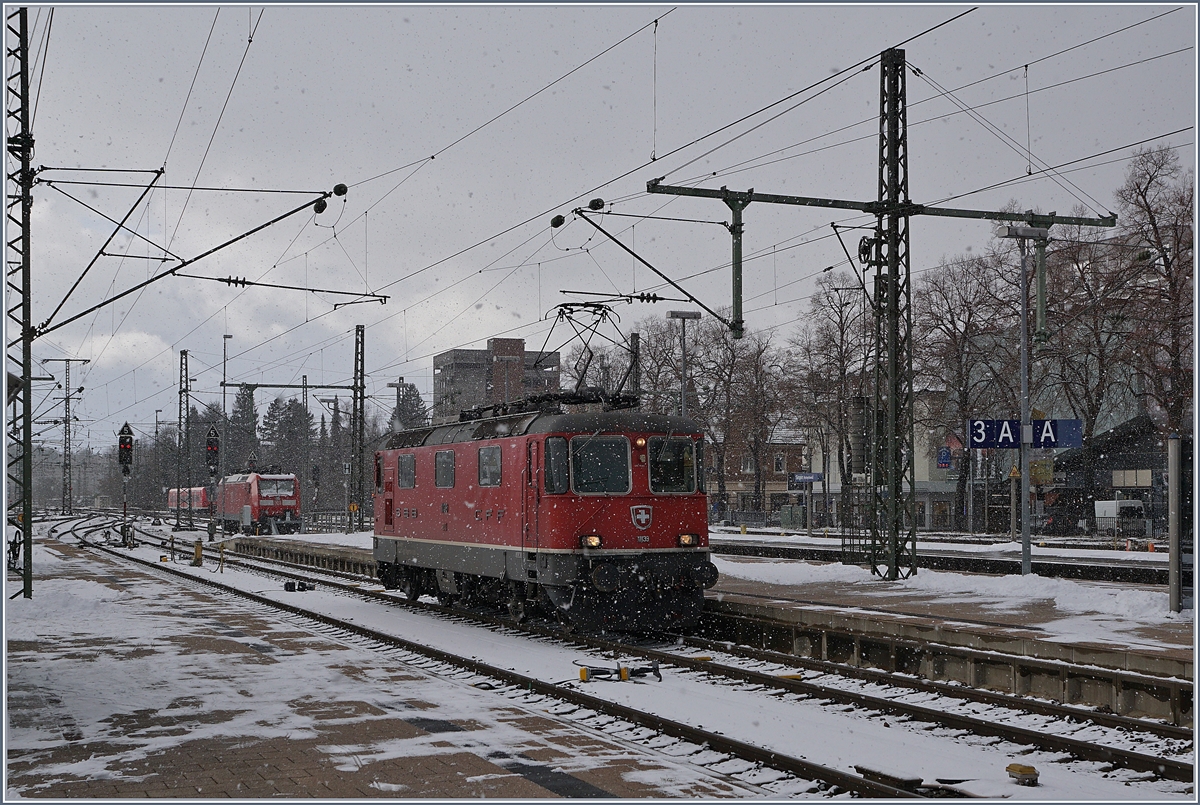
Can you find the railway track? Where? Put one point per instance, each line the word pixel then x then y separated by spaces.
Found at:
pixel 1081 733
pixel 935 559
pixel 563 701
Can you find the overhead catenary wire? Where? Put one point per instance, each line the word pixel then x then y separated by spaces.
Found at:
pixel 191 88
pixel 1008 141
pixel 591 256
pixel 217 126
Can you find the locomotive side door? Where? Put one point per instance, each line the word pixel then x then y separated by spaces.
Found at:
pixel 530 498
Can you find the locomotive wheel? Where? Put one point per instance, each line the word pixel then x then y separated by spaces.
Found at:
pixel 517 608
pixel 410 584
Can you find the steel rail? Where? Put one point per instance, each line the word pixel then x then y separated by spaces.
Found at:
pixel 720 743
pixel 1035 706
pixel 1163 767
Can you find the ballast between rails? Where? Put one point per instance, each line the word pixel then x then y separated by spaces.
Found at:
pixel 1166 768
pixel 796 766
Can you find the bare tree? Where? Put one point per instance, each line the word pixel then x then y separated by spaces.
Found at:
pixel 757 401
pixel 714 373
pixel 827 362
pixel 1086 354
pixel 1156 207
pixel 957 310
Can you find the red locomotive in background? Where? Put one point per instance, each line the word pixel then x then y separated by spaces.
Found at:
pixel 193 499
pixel 255 503
pixel 598 517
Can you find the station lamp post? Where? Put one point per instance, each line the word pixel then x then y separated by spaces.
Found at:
pixel 224 416
pixel 1039 235
pixel 683 316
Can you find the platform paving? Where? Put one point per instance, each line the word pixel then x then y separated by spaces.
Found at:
pixel 1165 647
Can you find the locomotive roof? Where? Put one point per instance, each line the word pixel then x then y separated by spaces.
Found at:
pixel 521 424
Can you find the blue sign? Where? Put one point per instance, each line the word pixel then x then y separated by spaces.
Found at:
pixel 1057 433
pixel 943 460
pixel 796 480
pixel 1006 433
pixel 1002 433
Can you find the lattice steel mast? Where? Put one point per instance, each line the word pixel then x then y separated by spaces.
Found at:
pixel 893 503
pixel 19 351
pixel 357 423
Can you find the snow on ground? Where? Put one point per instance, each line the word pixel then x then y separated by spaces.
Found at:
pixel 1141 606
pixel 1081 611
pixel 132 667
pixel 823 734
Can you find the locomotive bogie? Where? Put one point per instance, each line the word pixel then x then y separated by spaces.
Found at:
pixel 600 518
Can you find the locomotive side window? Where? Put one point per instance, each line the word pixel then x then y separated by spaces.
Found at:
pixel 443 469
pixel 406 471
pixel 672 465
pixel 558 479
pixel 600 465
pixel 700 464
pixel 489 466
pixel 378 474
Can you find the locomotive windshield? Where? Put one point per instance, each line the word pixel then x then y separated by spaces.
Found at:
pixel 600 465
pixel 672 465
pixel 275 487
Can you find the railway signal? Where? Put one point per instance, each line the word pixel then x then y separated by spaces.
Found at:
pixel 125 459
pixel 125 449
pixel 212 449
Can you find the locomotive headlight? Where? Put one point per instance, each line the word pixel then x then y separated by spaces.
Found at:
pixel 590 541
pixel 689 540
pixel 640 442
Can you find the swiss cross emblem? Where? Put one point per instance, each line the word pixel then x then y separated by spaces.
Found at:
pixel 641 516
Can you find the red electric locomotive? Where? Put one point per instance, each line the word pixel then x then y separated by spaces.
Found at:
pixel 195 498
pixel 253 503
pixel 599 517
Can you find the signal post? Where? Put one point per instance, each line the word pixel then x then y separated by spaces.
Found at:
pixel 212 455
pixel 125 459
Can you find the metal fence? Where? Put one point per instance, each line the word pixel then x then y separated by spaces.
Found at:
pixel 326 522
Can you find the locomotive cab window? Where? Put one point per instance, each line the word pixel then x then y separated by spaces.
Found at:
pixel 443 469
pixel 275 487
pixel 406 471
pixel 558 479
pixel 489 466
pixel 672 465
pixel 600 465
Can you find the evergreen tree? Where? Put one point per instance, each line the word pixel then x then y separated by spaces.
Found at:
pixel 293 436
pixel 411 412
pixel 242 440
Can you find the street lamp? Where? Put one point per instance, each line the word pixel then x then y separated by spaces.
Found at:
pixel 683 316
pixel 224 416
pixel 1040 236
pixel 157 475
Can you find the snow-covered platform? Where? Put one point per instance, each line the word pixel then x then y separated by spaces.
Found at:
pixel 1095 643
pixel 124 683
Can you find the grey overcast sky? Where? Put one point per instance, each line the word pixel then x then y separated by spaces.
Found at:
pixel 452 189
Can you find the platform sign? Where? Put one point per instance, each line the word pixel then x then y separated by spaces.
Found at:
pixel 1006 433
pixel 797 480
pixel 1057 433
pixel 999 433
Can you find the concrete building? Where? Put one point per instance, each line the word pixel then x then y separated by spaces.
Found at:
pixel 469 378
